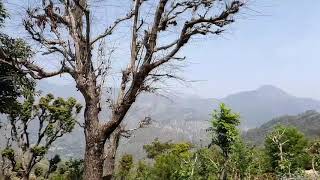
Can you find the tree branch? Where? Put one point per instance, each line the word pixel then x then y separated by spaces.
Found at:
pixel 111 28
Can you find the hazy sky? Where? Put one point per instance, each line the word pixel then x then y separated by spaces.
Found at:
pixel 281 48
pixel 273 42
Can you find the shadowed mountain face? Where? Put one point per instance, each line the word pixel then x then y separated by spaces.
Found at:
pixel 184 118
pixel 307 122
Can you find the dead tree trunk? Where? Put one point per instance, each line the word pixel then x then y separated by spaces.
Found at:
pixel 110 154
pixel 93 133
pixel 93 160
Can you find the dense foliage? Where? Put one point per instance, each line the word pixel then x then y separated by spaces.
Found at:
pixel 53 117
pixel 3 14
pixel 286 147
pixel 185 161
pixel 49 117
pixel 13 82
pixel 286 154
pixel 225 133
pixel 224 129
pixel 307 122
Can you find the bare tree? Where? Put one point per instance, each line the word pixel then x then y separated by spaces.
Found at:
pixel 64 27
pixel 277 140
pixel 314 151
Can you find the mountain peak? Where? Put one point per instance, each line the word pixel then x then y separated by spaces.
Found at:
pixel 270 89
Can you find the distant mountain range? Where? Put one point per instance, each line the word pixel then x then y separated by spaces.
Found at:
pixel 259 106
pixel 307 122
pixel 185 118
pixel 255 107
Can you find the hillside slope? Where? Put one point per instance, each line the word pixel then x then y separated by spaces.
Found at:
pixel 307 122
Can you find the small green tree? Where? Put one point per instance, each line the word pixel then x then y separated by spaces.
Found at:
pixel 53 165
pixel 54 118
pixel 143 171
pixel 260 164
pixel 241 160
pixel 171 161
pixel 38 172
pixel 69 170
pixel 286 148
pixel 207 162
pixel 125 165
pixel 156 148
pixel 13 81
pixel 173 164
pixel 75 168
pixel 224 132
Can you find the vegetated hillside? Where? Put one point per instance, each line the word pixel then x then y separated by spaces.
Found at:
pixel 307 122
pixel 183 118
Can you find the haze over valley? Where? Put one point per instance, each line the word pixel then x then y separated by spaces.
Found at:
pixel 186 117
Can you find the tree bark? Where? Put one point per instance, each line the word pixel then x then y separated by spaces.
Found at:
pixel 94 138
pixel 111 147
pixel 93 157
pixel 93 162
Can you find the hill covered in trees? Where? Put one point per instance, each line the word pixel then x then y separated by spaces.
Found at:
pixel 307 122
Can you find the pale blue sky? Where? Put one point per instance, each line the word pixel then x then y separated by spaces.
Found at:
pixel 281 48
pixel 278 45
